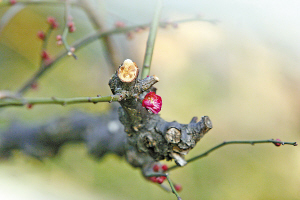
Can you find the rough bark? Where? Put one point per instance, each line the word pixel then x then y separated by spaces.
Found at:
pixel 147 133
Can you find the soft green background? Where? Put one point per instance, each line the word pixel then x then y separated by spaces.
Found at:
pixel 242 72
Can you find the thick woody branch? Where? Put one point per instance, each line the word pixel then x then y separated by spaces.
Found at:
pixel 149 134
pixel 102 134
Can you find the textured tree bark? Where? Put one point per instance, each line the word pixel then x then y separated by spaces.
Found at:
pixel 148 135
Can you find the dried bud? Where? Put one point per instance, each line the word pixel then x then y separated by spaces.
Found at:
pixel 128 71
pixel 152 102
pixel 276 143
pixel 41 35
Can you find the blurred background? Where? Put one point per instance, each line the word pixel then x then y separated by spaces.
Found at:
pixel 243 72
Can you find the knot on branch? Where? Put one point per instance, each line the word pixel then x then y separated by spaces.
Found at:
pixel 147 133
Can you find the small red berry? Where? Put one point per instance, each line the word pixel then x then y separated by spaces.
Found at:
pixel 160 179
pixel 12 2
pixel 41 35
pixel 164 167
pixel 155 168
pixel 178 187
pixel 276 143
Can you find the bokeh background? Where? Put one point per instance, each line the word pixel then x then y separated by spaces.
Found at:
pixel 243 72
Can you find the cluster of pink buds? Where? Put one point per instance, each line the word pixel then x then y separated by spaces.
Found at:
pixel 53 23
pixel 71 24
pixel 152 102
pixel 158 168
pixel 59 40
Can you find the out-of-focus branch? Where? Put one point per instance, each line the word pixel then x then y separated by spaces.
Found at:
pixel 102 134
pixel 98 20
pixel 85 41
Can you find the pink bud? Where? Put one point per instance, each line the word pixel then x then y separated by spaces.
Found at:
pixel 178 187
pixel 120 24
pixel 152 102
pixel 156 168
pixel 12 2
pixel 58 37
pixel 45 55
pixel 276 143
pixel 52 21
pixel 164 167
pixel 160 179
pixel 41 35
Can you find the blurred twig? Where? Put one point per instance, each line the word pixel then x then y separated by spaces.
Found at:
pixel 252 142
pixel 85 41
pixel 151 40
pixel 66 29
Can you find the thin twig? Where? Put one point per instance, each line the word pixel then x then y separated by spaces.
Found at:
pixel 169 180
pixel 151 40
pixel 31 2
pixel 55 100
pixel 252 142
pixel 66 30
pixel 85 41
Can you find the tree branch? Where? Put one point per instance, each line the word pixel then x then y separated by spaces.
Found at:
pixel 102 134
pixel 18 101
pixel 252 142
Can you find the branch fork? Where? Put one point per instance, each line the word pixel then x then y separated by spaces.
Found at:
pixel 151 138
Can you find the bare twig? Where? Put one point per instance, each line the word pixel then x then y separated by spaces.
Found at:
pixel 83 42
pixel 54 100
pixel 66 29
pixel 151 40
pixel 252 142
